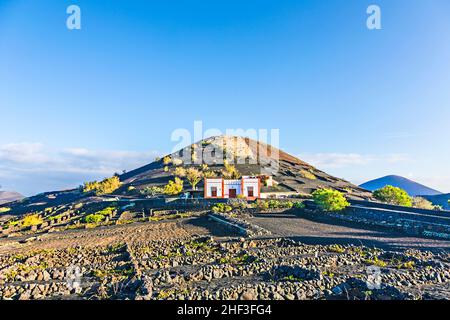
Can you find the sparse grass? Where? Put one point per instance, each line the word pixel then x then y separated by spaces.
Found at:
pixel 119 274
pixel 115 247
pixel 55 217
pixel 291 278
pixel 336 248
pixel 75 226
pixel 307 175
pixel 376 262
pixel 328 274
pixel 125 221
pixel 19 257
pixel 164 294
pixel 90 225
pixel 200 245
pixel 24 268
pixel 71 250
pixel 170 216
pixel 168 256
pixel 407 265
pixel 236 260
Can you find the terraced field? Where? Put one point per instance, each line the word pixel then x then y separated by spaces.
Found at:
pixel 191 264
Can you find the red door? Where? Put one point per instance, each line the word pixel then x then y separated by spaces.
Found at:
pixel 232 193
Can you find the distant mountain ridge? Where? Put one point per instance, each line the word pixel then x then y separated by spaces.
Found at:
pixel 413 188
pixel 9 196
pixel 440 200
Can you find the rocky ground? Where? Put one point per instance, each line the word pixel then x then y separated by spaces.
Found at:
pixel 197 258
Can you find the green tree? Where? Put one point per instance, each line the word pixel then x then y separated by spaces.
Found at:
pixel 193 176
pixel 330 200
pixel 230 171
pixel 167 160
pixel 393 195
pixel 173 187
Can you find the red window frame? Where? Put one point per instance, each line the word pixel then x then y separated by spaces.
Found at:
pixel 250 191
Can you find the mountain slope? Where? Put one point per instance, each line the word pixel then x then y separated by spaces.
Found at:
pixel 440 200
pixel 291 175
pixel 9 196
pixel 413 188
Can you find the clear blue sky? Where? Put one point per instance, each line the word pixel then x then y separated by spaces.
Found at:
pixel 359 104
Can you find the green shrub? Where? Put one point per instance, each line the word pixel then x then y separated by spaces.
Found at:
pixel 422 203
pixel 262 205
pixel 393 195
pixel 277 204
pixel 173 187
pixel 152 191
pixel 107 186
pixel 107 211
pixel 221 208
pixel 32 220
pixel 376 262
pixel 330 200
pixel 4 209
pixel 238 203
pixel 265 205
pixel 299 205
pixel 94 218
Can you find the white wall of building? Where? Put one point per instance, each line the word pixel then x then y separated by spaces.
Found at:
pixel 251 183
pixel 213 183
pixel 232 184
pixel 241 186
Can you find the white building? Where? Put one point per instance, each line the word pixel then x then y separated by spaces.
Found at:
pixel 218 188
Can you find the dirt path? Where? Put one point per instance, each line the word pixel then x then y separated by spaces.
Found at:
pixel 109 235
pixel 331 231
